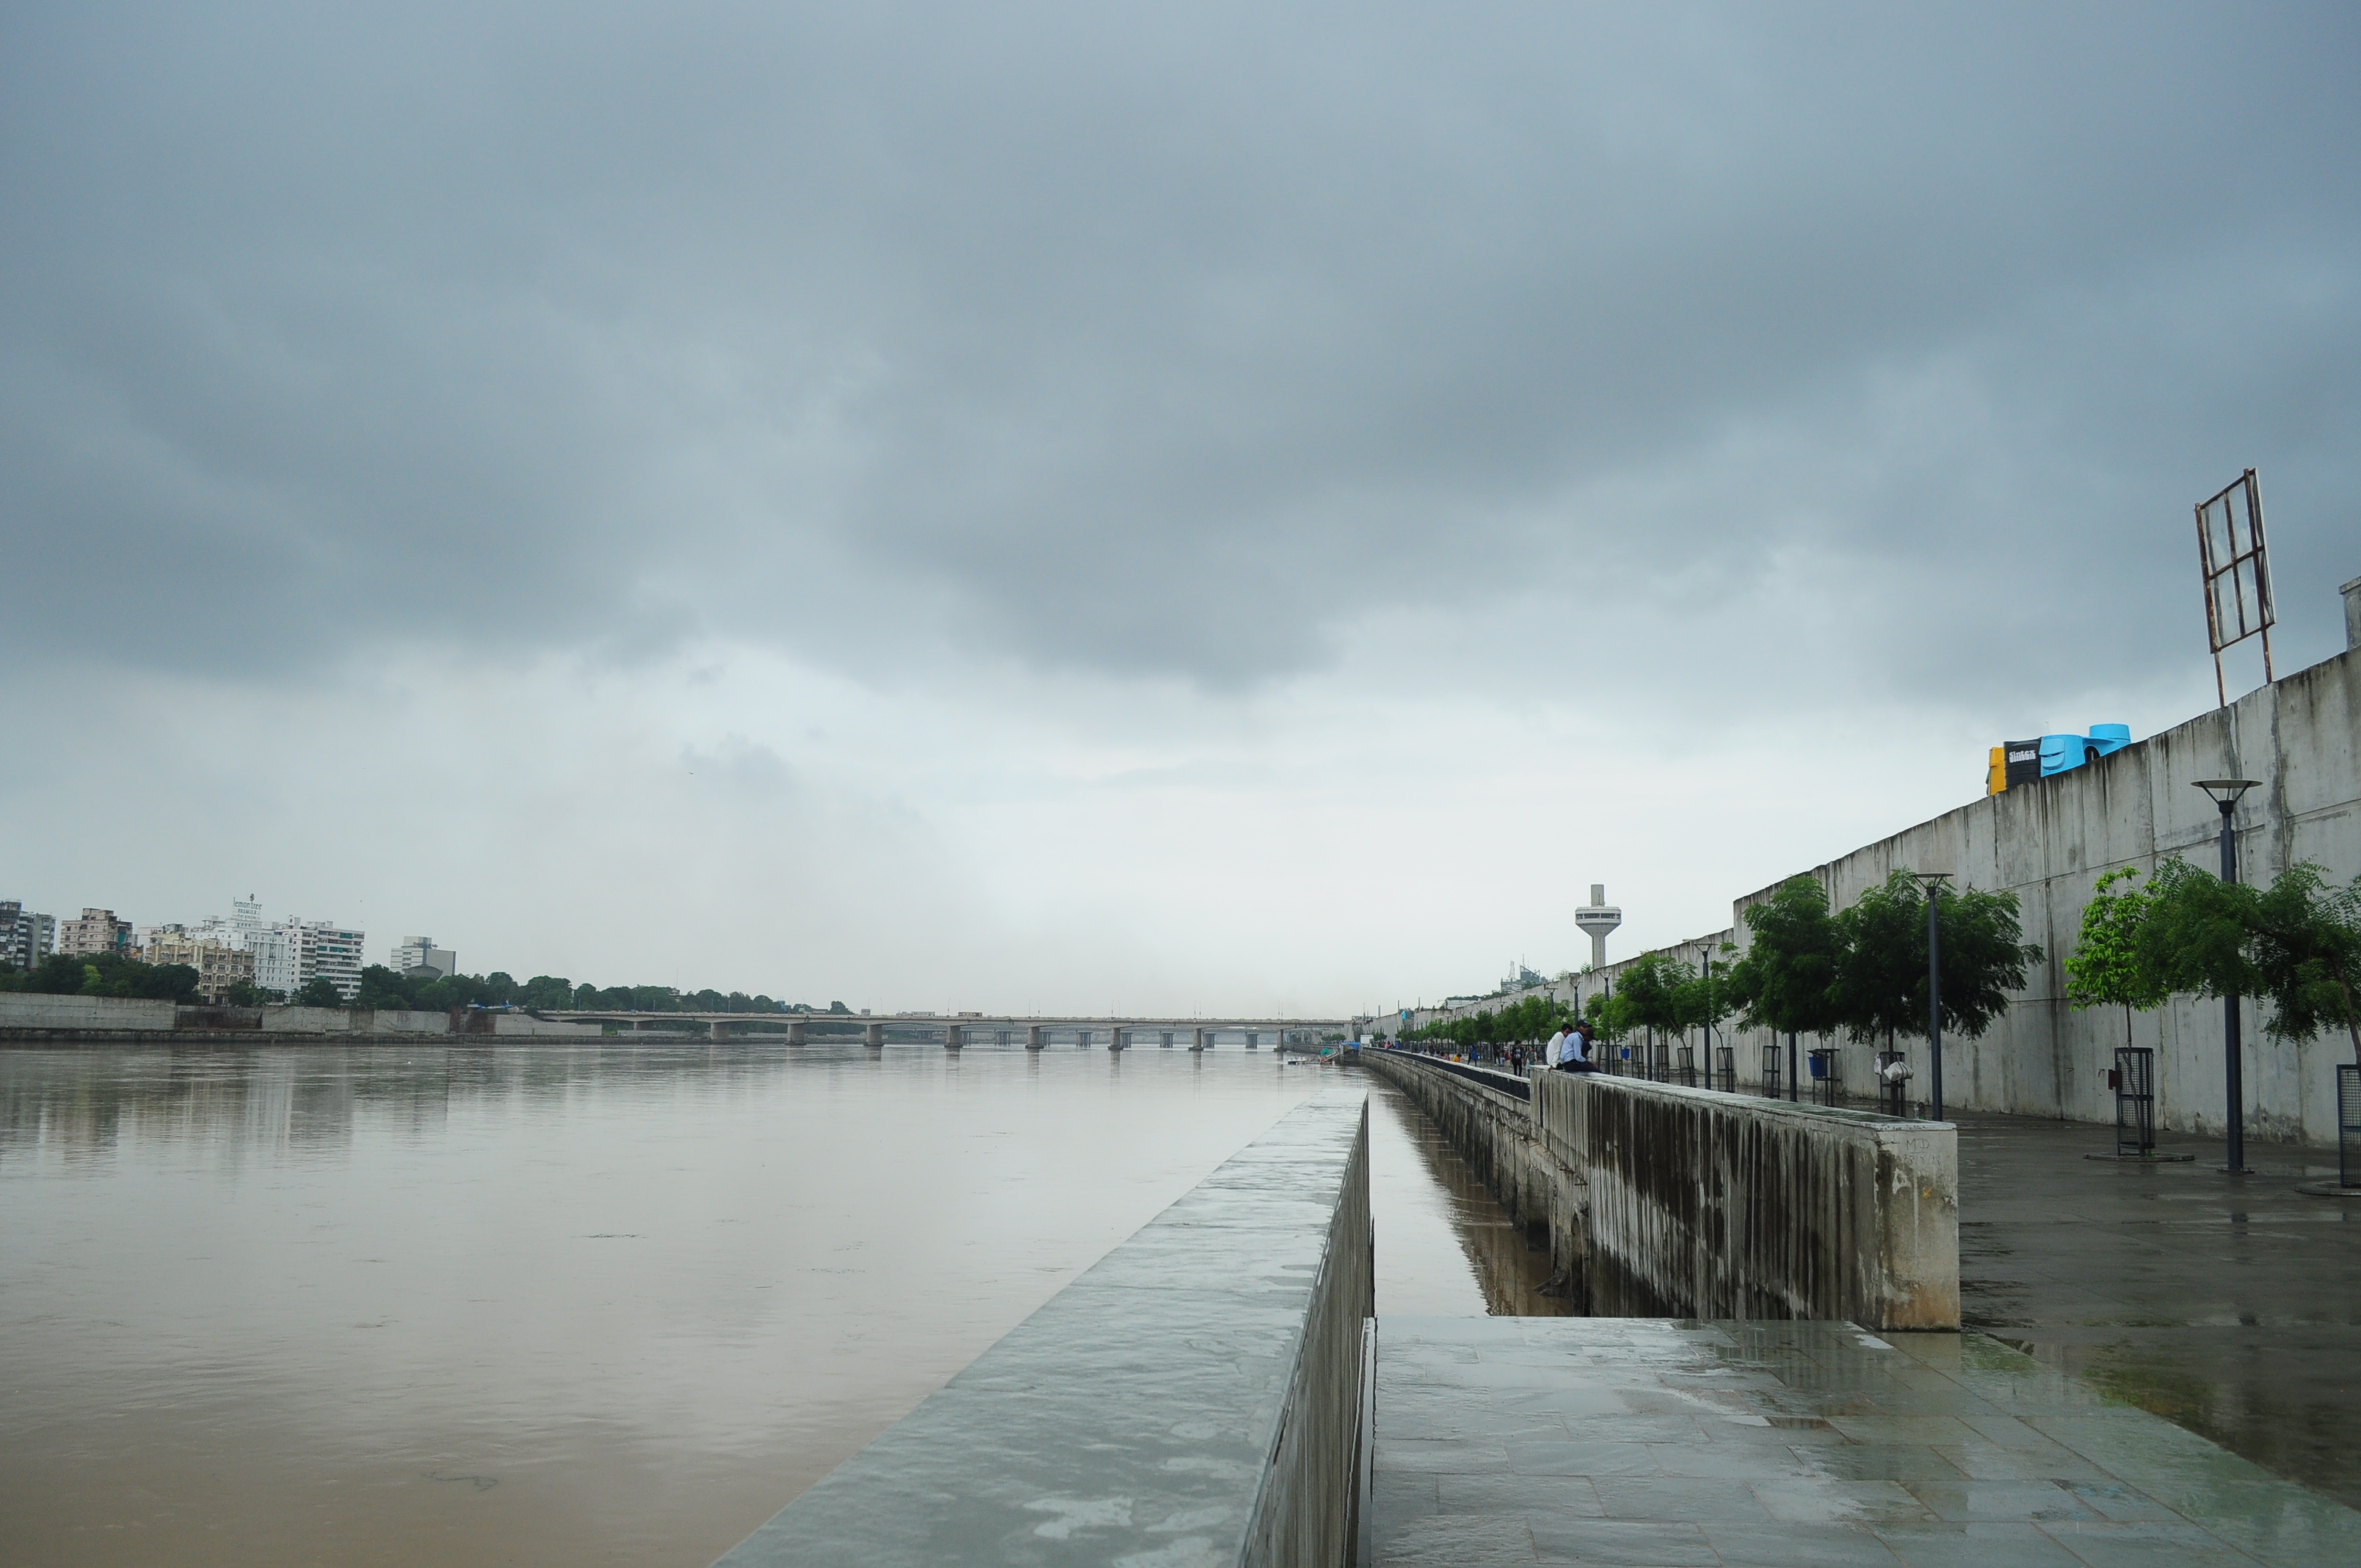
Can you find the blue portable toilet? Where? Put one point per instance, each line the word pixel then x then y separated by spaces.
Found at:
pixel 2060 753
pixel 2107 739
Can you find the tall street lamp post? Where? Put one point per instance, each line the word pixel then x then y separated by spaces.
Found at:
pixel 2225 794
pixel 1933 882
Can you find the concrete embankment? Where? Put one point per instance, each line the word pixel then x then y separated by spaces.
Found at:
pixel 1194 1397
pixel 1662 1201
pixel 31 1018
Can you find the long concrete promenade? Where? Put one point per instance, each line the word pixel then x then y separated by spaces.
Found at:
pixel 1663 1444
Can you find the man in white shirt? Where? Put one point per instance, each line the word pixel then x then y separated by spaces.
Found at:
pixel 1556 1045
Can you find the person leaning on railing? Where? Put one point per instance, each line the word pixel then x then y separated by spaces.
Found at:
pixel 1570 1050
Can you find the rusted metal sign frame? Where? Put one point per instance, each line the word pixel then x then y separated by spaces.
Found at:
pixel 2237 574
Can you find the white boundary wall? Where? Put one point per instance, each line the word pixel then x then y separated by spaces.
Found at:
pixel 2049 842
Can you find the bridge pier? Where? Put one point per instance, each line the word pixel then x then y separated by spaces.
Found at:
pixel 1254 1038
pixel 1118 1039
pixel 1197 1040
pixel 1167 1041
pixel 1033 1041
pixel 717 1030
pixel 952 1038
pixel 794 1030
pixel 1082 1039
pixel 873 1035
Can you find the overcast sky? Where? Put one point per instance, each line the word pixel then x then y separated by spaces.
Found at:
pixel 1030 507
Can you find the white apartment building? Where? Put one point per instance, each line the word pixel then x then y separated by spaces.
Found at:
pixel 26 937
pixel 324 950
pixel 412 954
pixel 274 965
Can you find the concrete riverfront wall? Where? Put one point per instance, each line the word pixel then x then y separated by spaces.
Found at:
pixel 1666 1201
pixel 1193 1398
pixel 32 1011
pixel 2049 842
pixel 1711 1205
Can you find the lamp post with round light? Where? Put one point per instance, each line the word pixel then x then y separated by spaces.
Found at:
pixel 2225 794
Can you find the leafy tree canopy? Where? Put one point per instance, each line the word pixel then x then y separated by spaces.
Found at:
pixel 2106 968
pixel 1649 990
pixel 104 974
pixel 1881 985
pixel 1786 981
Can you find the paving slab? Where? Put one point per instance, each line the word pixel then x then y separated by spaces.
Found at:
pixel 1652 1443
pixel 2223 1303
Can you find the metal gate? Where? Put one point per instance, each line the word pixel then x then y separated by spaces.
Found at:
pixel 1725 1069
pixel 1771 1068
pixel 2134 1099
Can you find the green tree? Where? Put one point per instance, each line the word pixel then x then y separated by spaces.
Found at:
pixel 1881 986
pixel 1786 981
pixel 318 992
pixel 2297 945
pixel 1651 993
pixel 2307 948
pixel 2106 970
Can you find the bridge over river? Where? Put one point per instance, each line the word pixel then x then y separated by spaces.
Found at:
pixel 955 1030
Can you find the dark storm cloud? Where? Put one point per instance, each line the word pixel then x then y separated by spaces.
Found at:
pixel 1153 341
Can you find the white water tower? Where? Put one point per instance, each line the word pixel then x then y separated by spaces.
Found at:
pixel 1597 917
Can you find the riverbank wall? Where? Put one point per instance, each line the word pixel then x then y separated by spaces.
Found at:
pixel 1662 1201
pixel 1196 1397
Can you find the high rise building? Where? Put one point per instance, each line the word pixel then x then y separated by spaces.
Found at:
pixel 25 939
pixel 325 950
pixel 94 931
pixel 275 967
pixel 418 957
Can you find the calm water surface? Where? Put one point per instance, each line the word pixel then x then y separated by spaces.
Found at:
pixel 611 1304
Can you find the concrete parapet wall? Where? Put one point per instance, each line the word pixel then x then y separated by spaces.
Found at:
pixel 1193 1399
pixel 32 1010
pixel 1663 1200
pixel 1710 1205
pixel 353 1021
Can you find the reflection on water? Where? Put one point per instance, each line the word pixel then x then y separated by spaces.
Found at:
pixel 608 1303
pixel 1445 1245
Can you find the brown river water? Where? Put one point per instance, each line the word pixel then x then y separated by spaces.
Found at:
pixel 609 1304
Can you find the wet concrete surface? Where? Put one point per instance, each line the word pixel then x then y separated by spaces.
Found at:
pixel 2229 1305
pixel 1648 1442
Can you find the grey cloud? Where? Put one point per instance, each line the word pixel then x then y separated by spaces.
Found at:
pixel 1158 343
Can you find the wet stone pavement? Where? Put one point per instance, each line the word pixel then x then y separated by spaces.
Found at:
pixel 2228 1304
pixel 1646 1443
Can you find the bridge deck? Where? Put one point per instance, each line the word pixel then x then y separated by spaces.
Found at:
pixel 1643 1441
